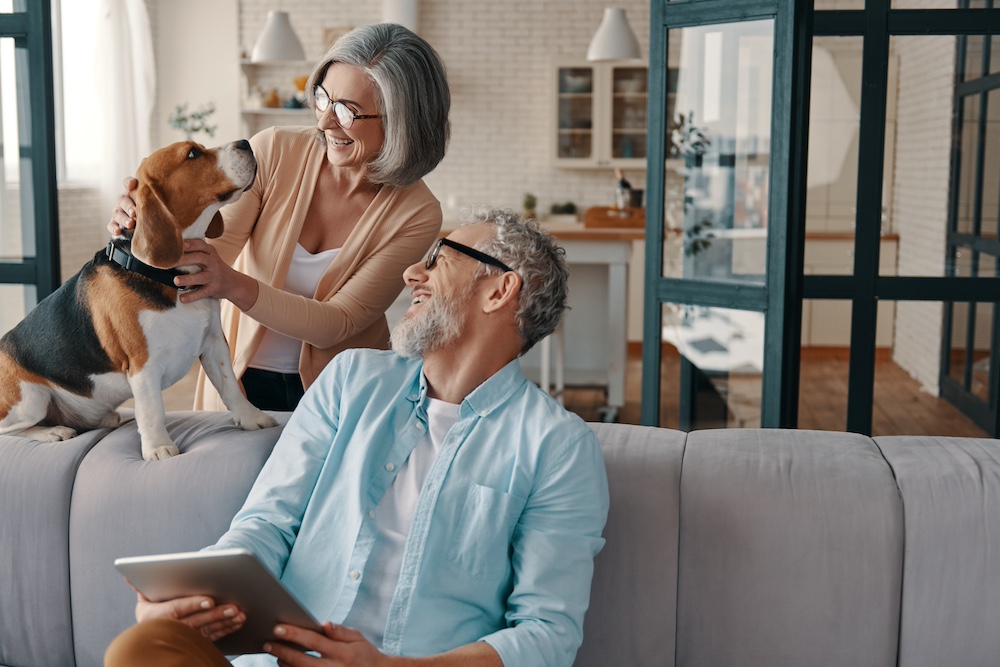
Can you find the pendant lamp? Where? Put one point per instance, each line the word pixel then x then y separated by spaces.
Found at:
pixel 277 40
pixel 614 39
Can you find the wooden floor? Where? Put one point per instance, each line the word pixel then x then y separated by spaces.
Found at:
pixel 901 406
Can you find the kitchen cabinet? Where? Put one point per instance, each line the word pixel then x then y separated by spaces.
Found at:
pixel 600 114
pixel 260 80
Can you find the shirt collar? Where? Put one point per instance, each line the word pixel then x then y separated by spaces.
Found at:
pixel 483 400
pixel 491 394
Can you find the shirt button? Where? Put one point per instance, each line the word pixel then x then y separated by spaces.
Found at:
pixel 355 574
pixel 371 513
pixel 420 426
pixel 484 413
pixel 390 467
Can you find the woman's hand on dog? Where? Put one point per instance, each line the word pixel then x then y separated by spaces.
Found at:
pixel 216 278
pixel 197 611
pixel 123 215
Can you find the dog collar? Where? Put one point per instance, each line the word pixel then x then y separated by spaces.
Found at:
pixel 128 261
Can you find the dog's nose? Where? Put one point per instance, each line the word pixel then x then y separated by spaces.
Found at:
pixel 243 145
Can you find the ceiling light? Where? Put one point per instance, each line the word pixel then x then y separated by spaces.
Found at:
pixel 614 39
pixel 277 41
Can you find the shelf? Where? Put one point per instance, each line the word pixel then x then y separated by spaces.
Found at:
pixel 279 63
pixel 272 111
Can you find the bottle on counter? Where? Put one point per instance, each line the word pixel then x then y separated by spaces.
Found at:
pixel 623 191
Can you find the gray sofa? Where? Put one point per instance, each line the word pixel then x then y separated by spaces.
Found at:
pixel 728 547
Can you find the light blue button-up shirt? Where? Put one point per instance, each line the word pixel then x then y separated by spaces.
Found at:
pixel 504 533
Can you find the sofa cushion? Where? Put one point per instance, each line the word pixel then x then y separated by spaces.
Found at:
pixel 36 481
pixel 633 601
pixel 790 550
pixel 951 501
pixel 125 506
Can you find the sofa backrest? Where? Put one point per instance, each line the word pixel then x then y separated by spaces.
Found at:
pixel 746 547
pixel 116 489
pixel 633 600
pixel 724 547
pixel 791 550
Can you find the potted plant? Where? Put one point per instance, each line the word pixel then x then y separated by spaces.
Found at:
pixel 529 204
pixel 563 212
pixel 191 123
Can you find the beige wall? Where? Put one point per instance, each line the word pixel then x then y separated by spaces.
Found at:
pixel 197 61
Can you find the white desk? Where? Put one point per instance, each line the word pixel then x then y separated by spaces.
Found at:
pixel 594 345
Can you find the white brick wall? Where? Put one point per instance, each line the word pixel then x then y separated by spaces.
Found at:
pixel 500 85
pixel 83 219
pixel 920 205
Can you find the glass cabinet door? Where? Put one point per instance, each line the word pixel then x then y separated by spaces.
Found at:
pixel 576 113
pixel 628 113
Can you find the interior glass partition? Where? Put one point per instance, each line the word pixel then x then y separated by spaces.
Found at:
pixel 717 245
pixel 29 248
pixel 718 159
pixel 718 106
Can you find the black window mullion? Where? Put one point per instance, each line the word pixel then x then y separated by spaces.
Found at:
pixel 871 149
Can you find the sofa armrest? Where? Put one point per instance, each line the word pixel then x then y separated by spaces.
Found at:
pixel 36 482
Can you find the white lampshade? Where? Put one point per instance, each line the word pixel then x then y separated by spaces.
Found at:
pixel 403 12
pixel 277 40
pixel 614 39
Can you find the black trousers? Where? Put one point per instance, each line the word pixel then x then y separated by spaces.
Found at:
pixel 273 391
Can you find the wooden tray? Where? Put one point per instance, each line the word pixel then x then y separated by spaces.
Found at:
pixel 609 216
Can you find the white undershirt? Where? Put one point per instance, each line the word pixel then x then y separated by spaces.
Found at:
pixel 393 517
pixel 277 352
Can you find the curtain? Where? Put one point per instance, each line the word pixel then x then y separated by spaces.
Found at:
pixel 126 81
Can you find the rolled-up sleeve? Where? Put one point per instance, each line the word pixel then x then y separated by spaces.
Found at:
pixel 554 545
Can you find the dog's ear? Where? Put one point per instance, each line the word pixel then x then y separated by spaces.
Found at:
pixel 215 227
pixel 157 239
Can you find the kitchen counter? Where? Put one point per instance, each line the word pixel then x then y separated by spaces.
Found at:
pixel 573 231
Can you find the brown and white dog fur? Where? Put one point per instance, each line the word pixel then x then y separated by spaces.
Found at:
pixel 109 334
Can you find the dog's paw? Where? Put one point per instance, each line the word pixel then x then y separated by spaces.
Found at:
pixel 253 419
pixel 48 433
pixel 159 452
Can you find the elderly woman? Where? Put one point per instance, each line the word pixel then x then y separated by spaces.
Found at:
pixel 313 254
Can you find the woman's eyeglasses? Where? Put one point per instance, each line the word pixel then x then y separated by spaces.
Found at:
pixel 465 250
pixel 344 115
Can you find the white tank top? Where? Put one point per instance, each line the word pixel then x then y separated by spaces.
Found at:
pixel 278 352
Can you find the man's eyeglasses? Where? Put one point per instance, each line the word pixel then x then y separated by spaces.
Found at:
pixel 344 115
pixel 465 250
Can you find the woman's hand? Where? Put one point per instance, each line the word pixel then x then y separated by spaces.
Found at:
pixel 123 215
pixel 215 279
pixel 197 611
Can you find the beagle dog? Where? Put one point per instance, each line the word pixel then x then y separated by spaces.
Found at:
pixel 116 329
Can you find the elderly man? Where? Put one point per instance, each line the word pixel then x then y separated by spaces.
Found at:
pixel 429 502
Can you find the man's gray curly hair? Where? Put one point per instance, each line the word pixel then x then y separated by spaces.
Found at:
pixel 533 254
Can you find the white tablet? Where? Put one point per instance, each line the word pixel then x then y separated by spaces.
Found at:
pixel 228 576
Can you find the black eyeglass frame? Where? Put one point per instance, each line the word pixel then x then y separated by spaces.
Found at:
pixel 322 107
pixel 465 250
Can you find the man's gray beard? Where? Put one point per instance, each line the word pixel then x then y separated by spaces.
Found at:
pixel 431 328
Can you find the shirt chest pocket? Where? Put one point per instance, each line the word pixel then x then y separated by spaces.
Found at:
pixel 481 543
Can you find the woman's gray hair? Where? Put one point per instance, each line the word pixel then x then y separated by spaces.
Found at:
pixel 533 254
pixel 413 97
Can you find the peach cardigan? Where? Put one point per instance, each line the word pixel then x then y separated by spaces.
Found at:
pixel 261 231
